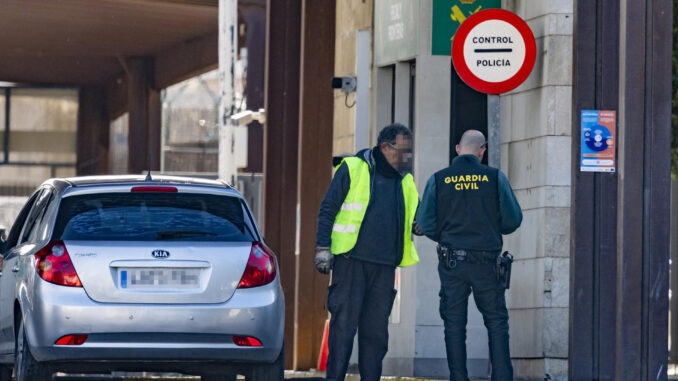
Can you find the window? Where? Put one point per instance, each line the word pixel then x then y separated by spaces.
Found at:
pixel 38 133
pixel 119 151
pixel 14 233
pixel 39 230
pixel 153 217
pixel 43 125
pixel 190 124
pixel 34 218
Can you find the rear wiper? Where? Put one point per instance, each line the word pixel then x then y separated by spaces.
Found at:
pixel 169 234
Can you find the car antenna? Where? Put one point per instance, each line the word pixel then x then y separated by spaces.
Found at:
pixel 148 159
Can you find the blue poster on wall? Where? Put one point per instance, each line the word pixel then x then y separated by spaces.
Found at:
pixel 598 132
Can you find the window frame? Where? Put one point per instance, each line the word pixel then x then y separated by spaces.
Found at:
pixel 4 159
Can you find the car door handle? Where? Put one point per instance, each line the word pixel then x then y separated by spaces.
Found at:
pixel 15 269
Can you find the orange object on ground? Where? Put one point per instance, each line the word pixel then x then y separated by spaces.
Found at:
pixel 324 350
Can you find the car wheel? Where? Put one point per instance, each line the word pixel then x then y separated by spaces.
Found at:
pixel 269 372
pixel 25 366
pixel 5 373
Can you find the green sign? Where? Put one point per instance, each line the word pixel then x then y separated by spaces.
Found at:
pixel 395 30
pixel 448 15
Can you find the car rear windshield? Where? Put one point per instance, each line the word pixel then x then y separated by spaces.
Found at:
pixel 153 217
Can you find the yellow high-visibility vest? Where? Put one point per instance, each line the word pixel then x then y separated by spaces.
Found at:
pixel 350 217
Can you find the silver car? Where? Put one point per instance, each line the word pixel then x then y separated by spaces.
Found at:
pixel 126 273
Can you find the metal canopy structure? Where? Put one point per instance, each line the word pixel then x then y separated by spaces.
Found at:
pixel 82 42
pixel 119 54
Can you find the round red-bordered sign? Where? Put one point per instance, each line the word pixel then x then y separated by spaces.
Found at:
pixel 494 41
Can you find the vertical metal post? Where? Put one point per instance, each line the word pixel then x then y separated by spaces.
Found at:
pixel 674 274
pixel 228 44
pixel 493 130
pixel 6 141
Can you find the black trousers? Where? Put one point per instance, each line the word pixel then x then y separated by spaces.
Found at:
pixel 360 298
pixel 455 286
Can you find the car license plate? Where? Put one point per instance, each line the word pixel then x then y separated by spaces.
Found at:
pixel 159 278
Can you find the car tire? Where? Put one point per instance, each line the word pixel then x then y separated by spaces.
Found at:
pixel 269 372
pixel 25 366
pixel 5 373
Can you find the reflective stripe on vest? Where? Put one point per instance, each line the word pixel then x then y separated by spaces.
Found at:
pixel 344 228
pixel 352 206
pixel 348 220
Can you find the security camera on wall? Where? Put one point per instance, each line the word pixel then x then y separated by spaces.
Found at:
pixel 346 84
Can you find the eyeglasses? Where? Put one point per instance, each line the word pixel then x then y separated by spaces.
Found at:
pixel 484 145
pixel 400 150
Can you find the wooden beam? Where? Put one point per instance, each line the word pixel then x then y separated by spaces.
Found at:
pixel 315 171
pixel 204 3
pixel 93 132
pixel 59 71
pixel 283 29
pixel 644 189
pixel 593 269
pixel 186 60
pixel 657 188
pixel 154 128
pixel 116 96
pixel 144 116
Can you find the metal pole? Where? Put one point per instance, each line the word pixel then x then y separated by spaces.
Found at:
pixel 673 328
pixel 493 133
pixel 6 132
pixel 228 44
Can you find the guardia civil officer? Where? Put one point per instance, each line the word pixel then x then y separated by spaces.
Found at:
pixel 466 208
pixel 364 233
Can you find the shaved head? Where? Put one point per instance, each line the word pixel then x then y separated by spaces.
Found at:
pixel 472 143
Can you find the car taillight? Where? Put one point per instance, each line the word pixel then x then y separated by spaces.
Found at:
pixel 246 341
pixel 72 340
pixel 54 265
pixel 260 268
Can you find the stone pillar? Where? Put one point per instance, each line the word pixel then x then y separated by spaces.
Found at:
pixel 535 155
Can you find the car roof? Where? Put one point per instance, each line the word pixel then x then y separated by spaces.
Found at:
pixel 86 181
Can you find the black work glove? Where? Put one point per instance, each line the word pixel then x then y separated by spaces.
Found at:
pixel 415 229
pixel 323 259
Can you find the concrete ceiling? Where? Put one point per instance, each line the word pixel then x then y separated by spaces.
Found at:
pixel 79 42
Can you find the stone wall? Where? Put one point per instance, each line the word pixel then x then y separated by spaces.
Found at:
pixel 535 149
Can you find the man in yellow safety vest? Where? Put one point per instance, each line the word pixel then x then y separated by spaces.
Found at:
pixel 364 233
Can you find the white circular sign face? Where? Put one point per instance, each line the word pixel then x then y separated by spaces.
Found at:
pixel 494 51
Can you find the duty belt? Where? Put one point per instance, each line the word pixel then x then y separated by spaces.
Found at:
pixel 450 256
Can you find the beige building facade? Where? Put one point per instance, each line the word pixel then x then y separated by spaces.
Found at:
pixel 410 85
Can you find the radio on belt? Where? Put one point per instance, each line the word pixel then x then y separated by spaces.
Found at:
pixel 494 51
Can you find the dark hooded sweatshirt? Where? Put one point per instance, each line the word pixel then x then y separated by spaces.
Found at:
pixel 380 239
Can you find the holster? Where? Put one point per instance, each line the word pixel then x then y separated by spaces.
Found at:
pixel 445 256
pixel 503 269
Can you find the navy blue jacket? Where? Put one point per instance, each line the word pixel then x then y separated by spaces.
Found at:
pixel 511 214
pixel 380 239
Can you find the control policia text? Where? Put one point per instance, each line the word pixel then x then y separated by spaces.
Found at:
pixel 492 40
